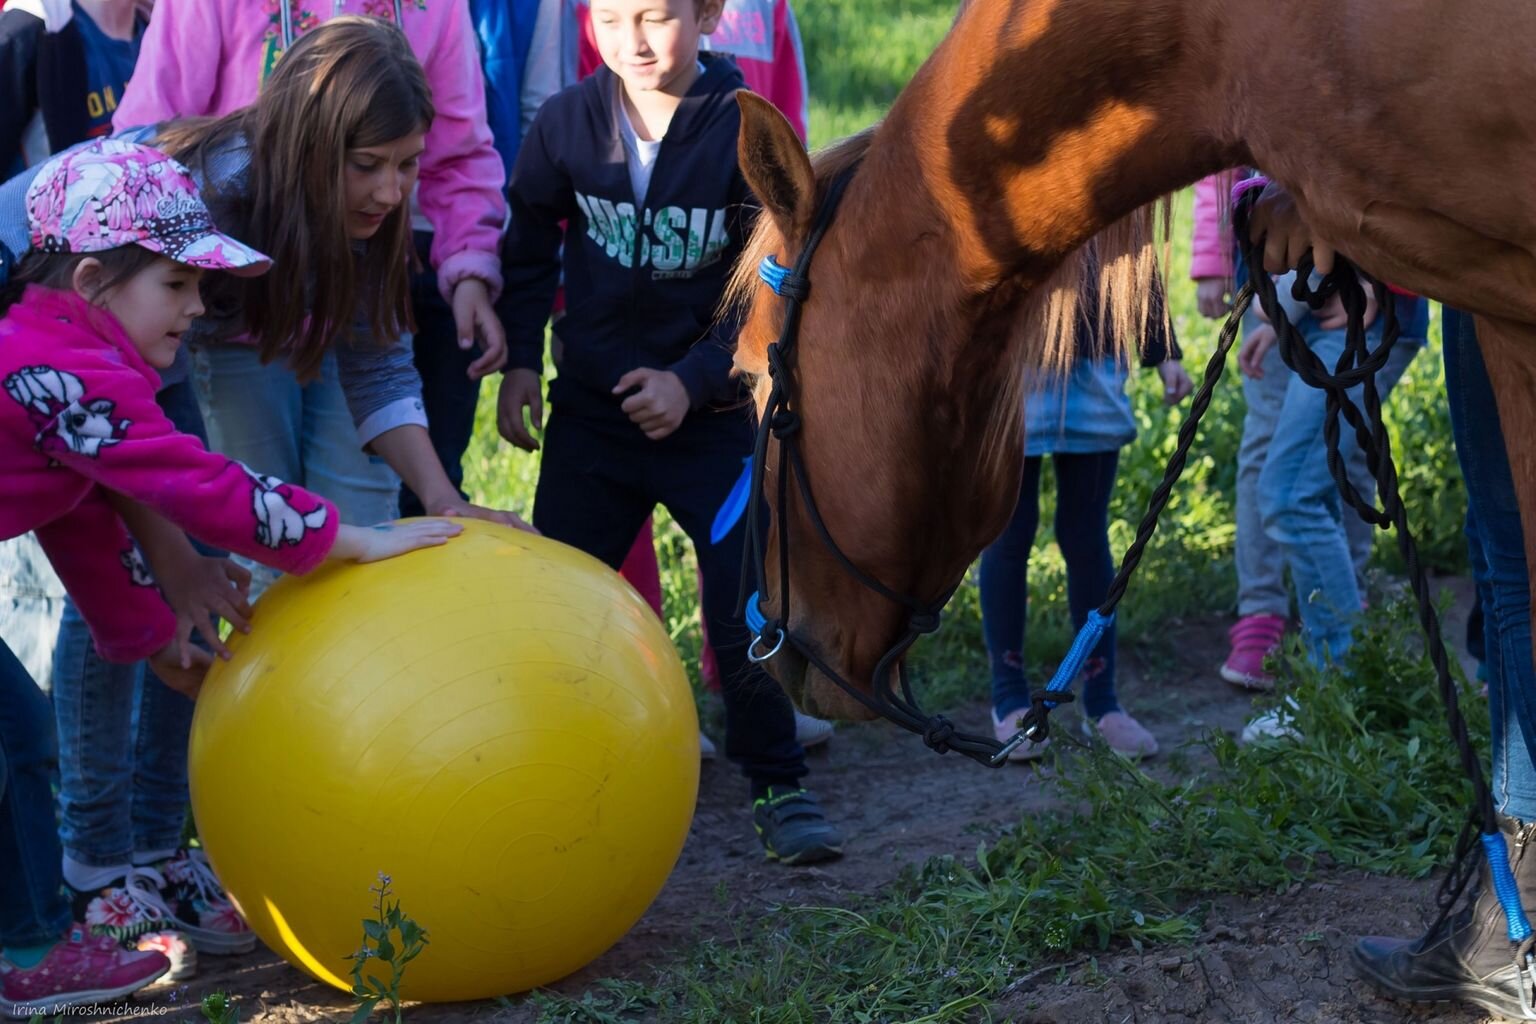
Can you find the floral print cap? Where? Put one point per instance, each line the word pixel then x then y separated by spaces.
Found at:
pixel 111 193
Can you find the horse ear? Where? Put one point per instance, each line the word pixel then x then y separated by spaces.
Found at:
pixel 776 166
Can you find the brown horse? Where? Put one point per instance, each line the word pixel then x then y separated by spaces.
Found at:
pixel 1398 128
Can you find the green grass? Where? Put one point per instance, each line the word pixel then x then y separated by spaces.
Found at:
pixel 1374 786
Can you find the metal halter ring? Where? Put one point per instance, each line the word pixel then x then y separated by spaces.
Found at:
pixel 758 659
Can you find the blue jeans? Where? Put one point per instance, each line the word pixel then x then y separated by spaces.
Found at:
pixel 1498 566
pixel 1260 560
pixel 1083 486
pixel 300 433
pixel 122 732
pixel 33 906
pixel 447 392
pixel 1299 503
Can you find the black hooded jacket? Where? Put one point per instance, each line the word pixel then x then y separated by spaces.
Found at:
pixel 642 282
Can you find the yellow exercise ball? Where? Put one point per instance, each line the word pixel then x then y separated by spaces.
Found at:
pixel 500 725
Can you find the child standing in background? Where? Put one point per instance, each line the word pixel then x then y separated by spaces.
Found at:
pixel 1082 422
pixel 640 161
pixel 763 38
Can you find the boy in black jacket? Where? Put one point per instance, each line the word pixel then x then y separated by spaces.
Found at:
pixel 640 160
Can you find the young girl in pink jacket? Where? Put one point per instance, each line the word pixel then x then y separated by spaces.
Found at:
pixel 120 239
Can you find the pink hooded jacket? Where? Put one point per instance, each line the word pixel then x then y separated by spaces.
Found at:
pixel 209 57
pixel 79 419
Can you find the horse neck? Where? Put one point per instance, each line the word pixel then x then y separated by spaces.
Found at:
pixel 1038 123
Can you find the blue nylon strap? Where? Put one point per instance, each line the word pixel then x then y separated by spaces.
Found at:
pixel 773 274
pixel 754 615
pixel 1087 639
pixel 1504 886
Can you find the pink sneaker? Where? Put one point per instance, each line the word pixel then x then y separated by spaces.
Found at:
pixel 1123 734
pixel 80 969
pixel 1029 750
pixel 1253 637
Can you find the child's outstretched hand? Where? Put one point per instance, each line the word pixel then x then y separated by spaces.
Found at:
pixel 660 404
pixel 1250 358
pixel 201 590
pixel 185 679
pixel 386 540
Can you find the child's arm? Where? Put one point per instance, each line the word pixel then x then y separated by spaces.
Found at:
pixel 542 202
pixel 96 561
pixel 706 369
pixel 168 82
pixel 200 589
pixel 461 172
pixel 19 32
pixel 102 423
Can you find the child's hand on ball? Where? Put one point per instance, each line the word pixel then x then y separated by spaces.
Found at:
pixel 386 540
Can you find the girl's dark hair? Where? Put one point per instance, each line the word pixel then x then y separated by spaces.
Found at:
pixel 351 83
pixel 57 270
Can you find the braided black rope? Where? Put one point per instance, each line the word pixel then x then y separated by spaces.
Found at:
pixel 1357 367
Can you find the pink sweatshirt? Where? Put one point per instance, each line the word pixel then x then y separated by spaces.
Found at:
pixel 209 57
pixel 79 419
pixel 764 38
pixel 1211 254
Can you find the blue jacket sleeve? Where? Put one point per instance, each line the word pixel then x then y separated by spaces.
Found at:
pixel 542 201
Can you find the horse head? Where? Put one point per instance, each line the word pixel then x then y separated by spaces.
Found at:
pixel 908 399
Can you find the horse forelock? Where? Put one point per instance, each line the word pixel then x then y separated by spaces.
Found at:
pixel 767 240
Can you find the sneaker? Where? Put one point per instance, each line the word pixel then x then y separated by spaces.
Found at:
pixel 200 909
pixel 1029 750
pixel 132 912
pixel 707 751
pixel 1275 724
pixel 792 828
pixel 1122 734
pixel 80 968
pixel 1253 637
pixel 811 731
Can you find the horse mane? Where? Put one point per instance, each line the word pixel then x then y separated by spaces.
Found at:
pixel 1121 266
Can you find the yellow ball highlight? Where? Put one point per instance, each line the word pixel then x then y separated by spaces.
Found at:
pixel 501 725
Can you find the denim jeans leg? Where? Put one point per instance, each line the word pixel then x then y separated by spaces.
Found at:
pixel 1501 559
pixel 1260 560
pixel 33 906
pixel 366 491
pixel 93 703
pixel 1004 593
pixel 163 730
pixel 1299 503
pixel 1361 534
pixel 1084 483
pixel 254 413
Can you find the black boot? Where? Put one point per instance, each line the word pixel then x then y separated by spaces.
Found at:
pixel 1468 958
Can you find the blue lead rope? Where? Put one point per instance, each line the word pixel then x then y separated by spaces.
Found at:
pixel 1504 886
pixel 1087 639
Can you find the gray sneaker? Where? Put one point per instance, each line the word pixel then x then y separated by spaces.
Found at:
pixel 793 829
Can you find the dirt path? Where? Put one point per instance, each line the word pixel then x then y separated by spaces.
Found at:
pixel 1270 960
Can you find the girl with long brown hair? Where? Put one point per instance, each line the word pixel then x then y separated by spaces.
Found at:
pixel 318 172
